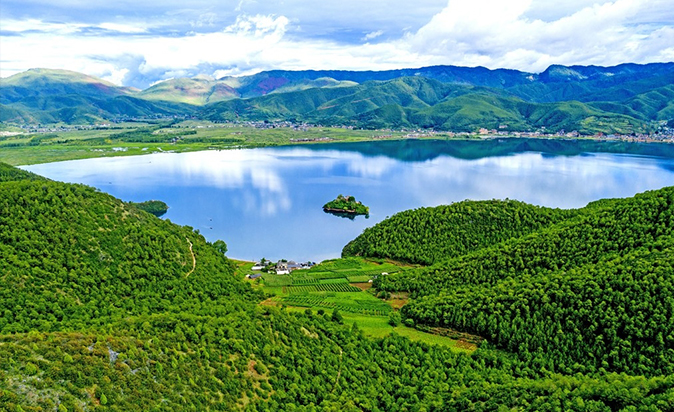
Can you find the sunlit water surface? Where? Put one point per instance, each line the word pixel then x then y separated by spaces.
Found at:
pixel 267 202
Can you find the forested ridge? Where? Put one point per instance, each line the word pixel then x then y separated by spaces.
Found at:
pixel 98 313
pixel 590 293
pixel 9 174
pixel 73 256
pixel 427 235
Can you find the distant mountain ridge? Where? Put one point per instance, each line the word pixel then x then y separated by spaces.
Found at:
pixel 590 99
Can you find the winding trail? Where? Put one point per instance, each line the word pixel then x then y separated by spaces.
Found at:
pixel 194 259
pixel 339 372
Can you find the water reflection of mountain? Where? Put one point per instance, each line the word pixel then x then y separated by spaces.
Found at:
pixel 423 150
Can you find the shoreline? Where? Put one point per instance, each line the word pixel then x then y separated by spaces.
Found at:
pixel 33 155
pixel 351 212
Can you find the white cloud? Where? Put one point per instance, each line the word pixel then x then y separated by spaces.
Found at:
pixel 499 34
pixel 515 34
pixel 205 20
pixel 40 26
pixel 372 35
pixel 259 25
pixel 122 28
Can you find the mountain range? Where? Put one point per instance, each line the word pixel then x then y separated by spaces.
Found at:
pixel 626 98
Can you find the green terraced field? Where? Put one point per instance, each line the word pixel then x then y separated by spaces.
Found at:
pixel 365 307
pixel 325 287
pixel 313 281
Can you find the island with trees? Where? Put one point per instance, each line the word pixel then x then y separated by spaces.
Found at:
pixel 156 207
pixel 346 205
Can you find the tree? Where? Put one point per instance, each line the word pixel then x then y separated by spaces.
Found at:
pixel 336 316
pixel 220 246
pixel 394 319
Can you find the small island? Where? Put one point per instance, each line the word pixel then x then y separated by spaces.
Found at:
pixel 156 207
pixel 346 206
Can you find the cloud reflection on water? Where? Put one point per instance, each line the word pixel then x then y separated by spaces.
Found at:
pixel 267 202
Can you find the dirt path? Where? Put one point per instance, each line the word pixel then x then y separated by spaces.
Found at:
pixel 339 372
pixel 194 259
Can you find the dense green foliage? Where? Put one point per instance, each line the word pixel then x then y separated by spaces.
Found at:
pixel 156 207
pixel 346 204
pixel 615 315
pixel 105 259
pixel 428 235
pixel 274 361
pixel 10 174
pixel 103 308
pixel 593 291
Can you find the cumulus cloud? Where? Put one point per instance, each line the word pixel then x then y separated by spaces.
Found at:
pixel 521 34
pixel 501 34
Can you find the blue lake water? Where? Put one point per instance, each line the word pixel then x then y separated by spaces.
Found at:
pixel 268 202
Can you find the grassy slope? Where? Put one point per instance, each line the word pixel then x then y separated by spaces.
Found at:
pixel 195 91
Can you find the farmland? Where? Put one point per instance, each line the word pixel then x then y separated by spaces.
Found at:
pixel 342 285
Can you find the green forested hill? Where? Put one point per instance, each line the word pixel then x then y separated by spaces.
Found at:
pixel 55 96
pixel 49 82
pixel 12 174
pixel 102 308
pixel 421 102
pixel 428 235
pixel 591 292
pixel 92 259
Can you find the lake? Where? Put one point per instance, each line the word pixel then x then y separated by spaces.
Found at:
pixel 268 202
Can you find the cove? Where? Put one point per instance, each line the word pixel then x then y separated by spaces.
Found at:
pixel 267 202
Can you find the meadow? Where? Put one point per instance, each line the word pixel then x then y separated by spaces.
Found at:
pixel 132 139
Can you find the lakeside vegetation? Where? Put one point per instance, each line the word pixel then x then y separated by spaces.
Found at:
pixel 164 136
pixel 428 235
pixel 191 135
pixel 108 308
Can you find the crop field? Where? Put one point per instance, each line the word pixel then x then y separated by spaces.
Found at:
pixel 310 279
pixel 362 306
pixel 329 286
pixel 277 280
pixel 330 272
pixel 358 278
pixel 323 287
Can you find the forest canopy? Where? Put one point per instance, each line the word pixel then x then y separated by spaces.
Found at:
pixel 105 307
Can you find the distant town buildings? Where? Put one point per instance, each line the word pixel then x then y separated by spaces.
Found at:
pixel 663 132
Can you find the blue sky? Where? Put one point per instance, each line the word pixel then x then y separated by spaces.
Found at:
pixel 137 43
